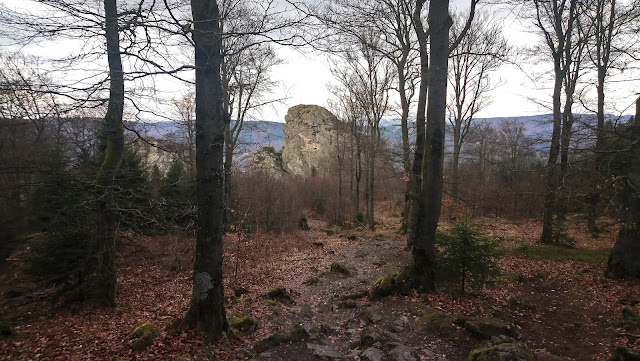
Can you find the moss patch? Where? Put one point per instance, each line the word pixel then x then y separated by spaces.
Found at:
pixel 279 293
pixel 436 322
pixel 402 282
pixel 559 253
pixel 503 352
pixel 142 336
pixel 242 323
pixel 340 268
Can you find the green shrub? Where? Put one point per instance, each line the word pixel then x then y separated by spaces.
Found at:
pixel 466 253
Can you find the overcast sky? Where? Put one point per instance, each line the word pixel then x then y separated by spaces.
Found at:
pixel 304 78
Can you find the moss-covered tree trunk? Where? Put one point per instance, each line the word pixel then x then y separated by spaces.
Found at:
pixel 101 272
pixel 625 255
pixel 206 311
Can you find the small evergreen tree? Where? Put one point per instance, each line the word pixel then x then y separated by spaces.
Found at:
pixel 465 252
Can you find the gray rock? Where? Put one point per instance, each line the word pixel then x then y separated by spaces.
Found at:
pixel 306 311
pixel 321 352
pixel 403 353
pixel 309 134
pixel 372 354
pixel 269 161
pixel 496 340
pixel 398 326
pixel 293 333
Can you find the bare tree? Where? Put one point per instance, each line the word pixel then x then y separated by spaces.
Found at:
pixel 555 20
pixel 480 52
pixel 246 83
pixel 348 23
pixel 430 186
pixel 184 109
pixel 605 24
pixel 366 76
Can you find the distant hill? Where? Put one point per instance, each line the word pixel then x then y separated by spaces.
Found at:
pixel 257 134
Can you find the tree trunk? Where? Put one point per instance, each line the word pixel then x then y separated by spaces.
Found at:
pixel 228 163
pixel 594 197
pixel 431 192
pixel 457 146
pixel 554 150
pixel 404 125
pixel 415 210
pixel 623 260
pixel 206 311
pixel 370 183
pixel 102 278
pixel 565 141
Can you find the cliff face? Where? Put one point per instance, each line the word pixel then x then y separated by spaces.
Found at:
pixel 309 133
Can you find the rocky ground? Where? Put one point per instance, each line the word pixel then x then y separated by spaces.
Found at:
pixel 556 305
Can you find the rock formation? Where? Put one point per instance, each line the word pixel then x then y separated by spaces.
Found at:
pixel 267 160
pixel 309 134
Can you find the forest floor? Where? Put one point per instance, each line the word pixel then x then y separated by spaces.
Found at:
pixel 557 301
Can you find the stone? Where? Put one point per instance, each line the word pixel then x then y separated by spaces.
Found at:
pixel 268 161
pixel 293 333
pixel 503 352
pixel 486 328
pixel 436 321
pixel 321 352
pixel 403 353
pixel 372 354
pixel 242 323
pixel 306 311
pixel 142 336
pixel 309 135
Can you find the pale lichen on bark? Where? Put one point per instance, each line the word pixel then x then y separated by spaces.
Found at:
pixel 202 284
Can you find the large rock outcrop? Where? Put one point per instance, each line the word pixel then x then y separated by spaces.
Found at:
pixel 309 132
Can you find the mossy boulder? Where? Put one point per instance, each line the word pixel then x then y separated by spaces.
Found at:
pixel 279 293
pixel 503 352
pixel 337 267
pixel 142 336
pixel 486 328
pixel 436 322
pixel 242 323
pixel 6 330
pixel 402 282
pixel 623 354
pixel 293 333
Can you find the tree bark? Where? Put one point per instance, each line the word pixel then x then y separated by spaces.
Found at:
pixel 623 260
pixel 102 277
pixel 206 311
pixel 431 192
pixel 415 210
